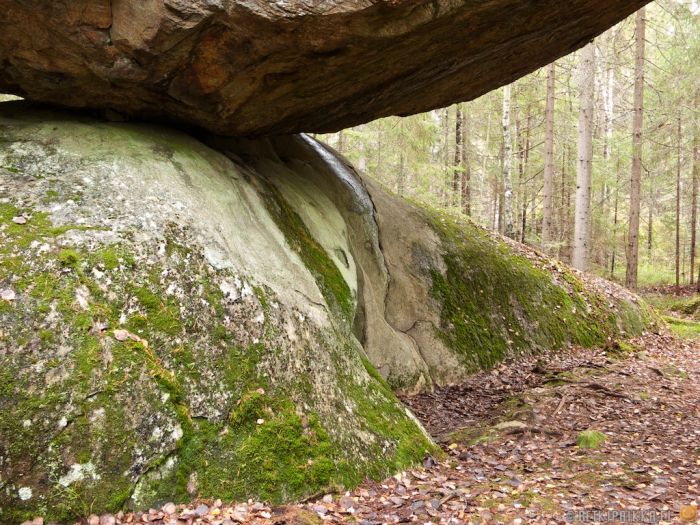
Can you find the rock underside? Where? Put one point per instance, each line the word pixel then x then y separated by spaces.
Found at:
pixel 223 318
pixel 258 68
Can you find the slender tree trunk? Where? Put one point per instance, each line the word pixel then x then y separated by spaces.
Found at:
pixel 696 182
pixel 617 202
pixel 340 146
pixel 458 156
pixel 524 157
pixel 650 221
pixel 609 95
pixel 563 204
pixel 508 226
pixel 694 208
pixel 548 161
pixel 466 169
pixel 582 220
pixel 446 158
pixel 636 172
pixel 401 175
pixel 485 160
pixel 678 210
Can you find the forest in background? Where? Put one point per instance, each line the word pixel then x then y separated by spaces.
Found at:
pixel 550 159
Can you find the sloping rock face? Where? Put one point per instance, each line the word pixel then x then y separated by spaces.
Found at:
pixel 182 320
pixel 256 67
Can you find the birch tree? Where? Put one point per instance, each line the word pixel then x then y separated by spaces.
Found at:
pixel 548 189
pixel 509 229
pixel 636 172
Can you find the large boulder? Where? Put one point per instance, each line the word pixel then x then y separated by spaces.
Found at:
pixel 227 320
pixel 257 67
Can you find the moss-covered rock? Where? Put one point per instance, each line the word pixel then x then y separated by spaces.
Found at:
pixel 182 321
pixel 470 299
pixel 171 330
pixel 496 303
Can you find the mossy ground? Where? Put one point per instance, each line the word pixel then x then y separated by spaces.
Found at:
pixel 681 314
pixel 496 304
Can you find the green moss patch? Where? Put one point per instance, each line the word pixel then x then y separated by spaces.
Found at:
pixel 330 281
pixel 685 328
pixel 590 439
pixel 496 304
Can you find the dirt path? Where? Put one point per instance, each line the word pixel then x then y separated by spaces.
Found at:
pixel 511 453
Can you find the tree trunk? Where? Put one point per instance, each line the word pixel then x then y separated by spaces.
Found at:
pixel 525 157
pixel 447 161
pixel 617 201
pixel 548 162
pixel 650 220
pixel 508 226
pixel 678 210
pixel 636 172
pixel 609 95
pixel 466 170
pixel 694 207
pixel 457 167
pixel 340 146
pixel 582 220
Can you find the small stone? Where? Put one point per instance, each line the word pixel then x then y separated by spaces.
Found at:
pixel 19 220
pixel 201 510
pixel 328 498
pixel 121 335
pixel 107 519
pixel 265 515
pixel 169 508
pixel 93 519
pixel 511 425
pixel 260 421
pixel 8 295
pixel 346 502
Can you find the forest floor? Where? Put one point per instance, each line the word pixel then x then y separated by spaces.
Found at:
pixel 544 441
